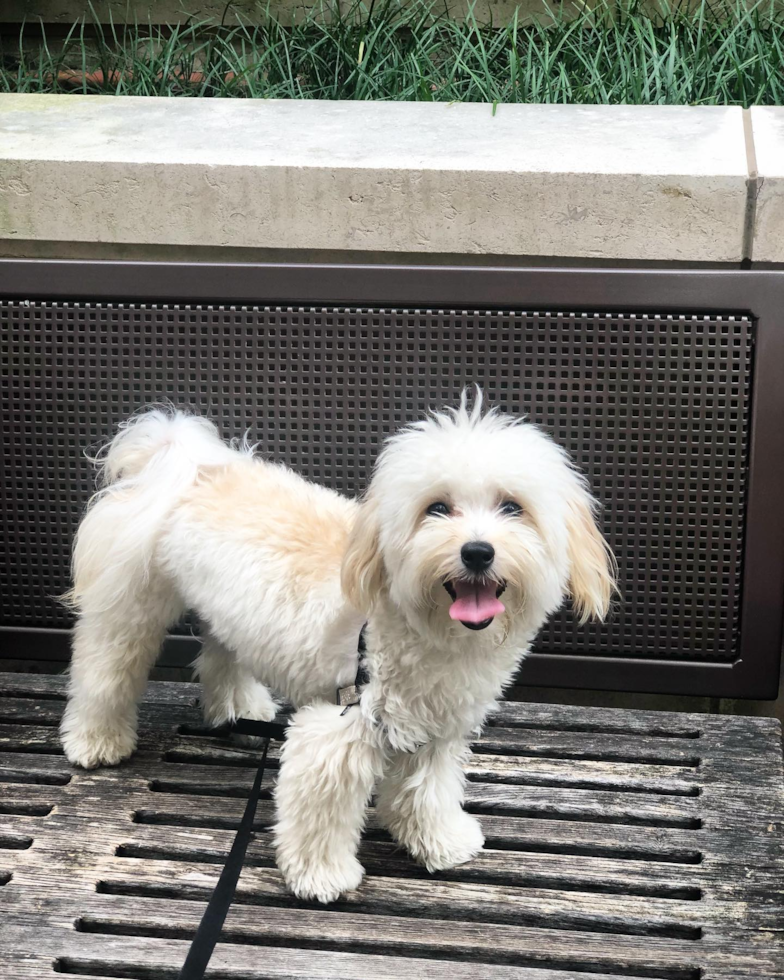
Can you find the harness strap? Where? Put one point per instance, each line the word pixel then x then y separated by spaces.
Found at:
pixel 260 729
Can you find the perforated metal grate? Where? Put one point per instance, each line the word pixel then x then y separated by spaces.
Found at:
pixel 655 409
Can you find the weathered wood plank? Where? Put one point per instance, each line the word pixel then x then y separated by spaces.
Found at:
pixel 118 955
pixel 537 801
pixel 48 712
pixel 484 945
pixel 510 869
pixel 54 686
pixel 620 844
pixel 591 874
pixel 29 711
pixel 667 845
pixel 639 778
pixel 44 770
pixel 683 753
pixel 673 901
pixel 563 717
pixel 454 902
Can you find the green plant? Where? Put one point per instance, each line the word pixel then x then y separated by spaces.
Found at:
pixel 415 51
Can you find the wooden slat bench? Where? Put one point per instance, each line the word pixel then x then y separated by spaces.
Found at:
pixel 619 844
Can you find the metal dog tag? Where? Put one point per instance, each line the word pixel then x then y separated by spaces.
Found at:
pixel 348 696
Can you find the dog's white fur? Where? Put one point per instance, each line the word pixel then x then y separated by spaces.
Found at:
pixel 283 573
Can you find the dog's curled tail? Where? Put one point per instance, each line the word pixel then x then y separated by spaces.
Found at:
pixel 155 456
pixel 148 440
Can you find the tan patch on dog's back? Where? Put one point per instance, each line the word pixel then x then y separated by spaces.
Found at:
pixel 302 523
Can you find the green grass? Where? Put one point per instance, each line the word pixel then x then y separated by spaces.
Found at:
pixel 412 52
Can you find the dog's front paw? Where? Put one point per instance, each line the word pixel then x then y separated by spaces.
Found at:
pixel 452 843
pixel 325 882
pixel 92 747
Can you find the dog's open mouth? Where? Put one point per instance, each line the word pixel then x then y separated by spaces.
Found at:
pixel 475 602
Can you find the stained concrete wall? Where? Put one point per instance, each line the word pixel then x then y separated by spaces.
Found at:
pixel 67 12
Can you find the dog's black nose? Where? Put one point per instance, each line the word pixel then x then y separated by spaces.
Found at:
pixel 477 555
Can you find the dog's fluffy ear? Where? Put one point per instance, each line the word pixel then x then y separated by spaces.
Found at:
pixel 362 571
pixel 593 571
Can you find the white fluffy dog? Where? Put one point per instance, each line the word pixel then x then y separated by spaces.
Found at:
pixel 474 529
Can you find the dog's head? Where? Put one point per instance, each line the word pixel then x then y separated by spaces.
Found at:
pixel 473 518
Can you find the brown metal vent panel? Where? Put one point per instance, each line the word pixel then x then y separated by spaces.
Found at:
pixel 655 409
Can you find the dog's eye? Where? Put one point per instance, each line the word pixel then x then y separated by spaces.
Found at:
pixel 438 509
pixel 510 508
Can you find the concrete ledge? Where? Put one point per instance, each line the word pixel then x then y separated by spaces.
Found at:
pixel 605 182
pixel 768 129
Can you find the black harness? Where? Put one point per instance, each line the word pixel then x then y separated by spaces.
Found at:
pixel 349 696
pixel 211 925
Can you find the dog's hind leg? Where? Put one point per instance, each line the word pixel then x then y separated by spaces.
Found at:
pixel 229 689
pixel 329 764
pixel 419 801
pixel 114 649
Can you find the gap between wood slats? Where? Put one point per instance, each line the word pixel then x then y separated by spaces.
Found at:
pixel 84 967
pixel 197 893
pixel 585 755
pixel 588 729
pixel 650 789
pixel 540 812
pixel 494 840
pixel 34 695
pixel 31 717
pixel 49 745
pixel 196 787
pixel 494 724
pixel 591 801
pixel 35 778
pixel 359 946
pixel 379 865
pixel 106 926
pixel 22 747
pixel 553 813
pixel 25 809
pixel 229 759
pixel 10 842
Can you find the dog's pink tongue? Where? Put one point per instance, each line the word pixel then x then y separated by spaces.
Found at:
pixel 475 603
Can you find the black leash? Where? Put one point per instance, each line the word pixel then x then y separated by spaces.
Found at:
pixel 211 925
